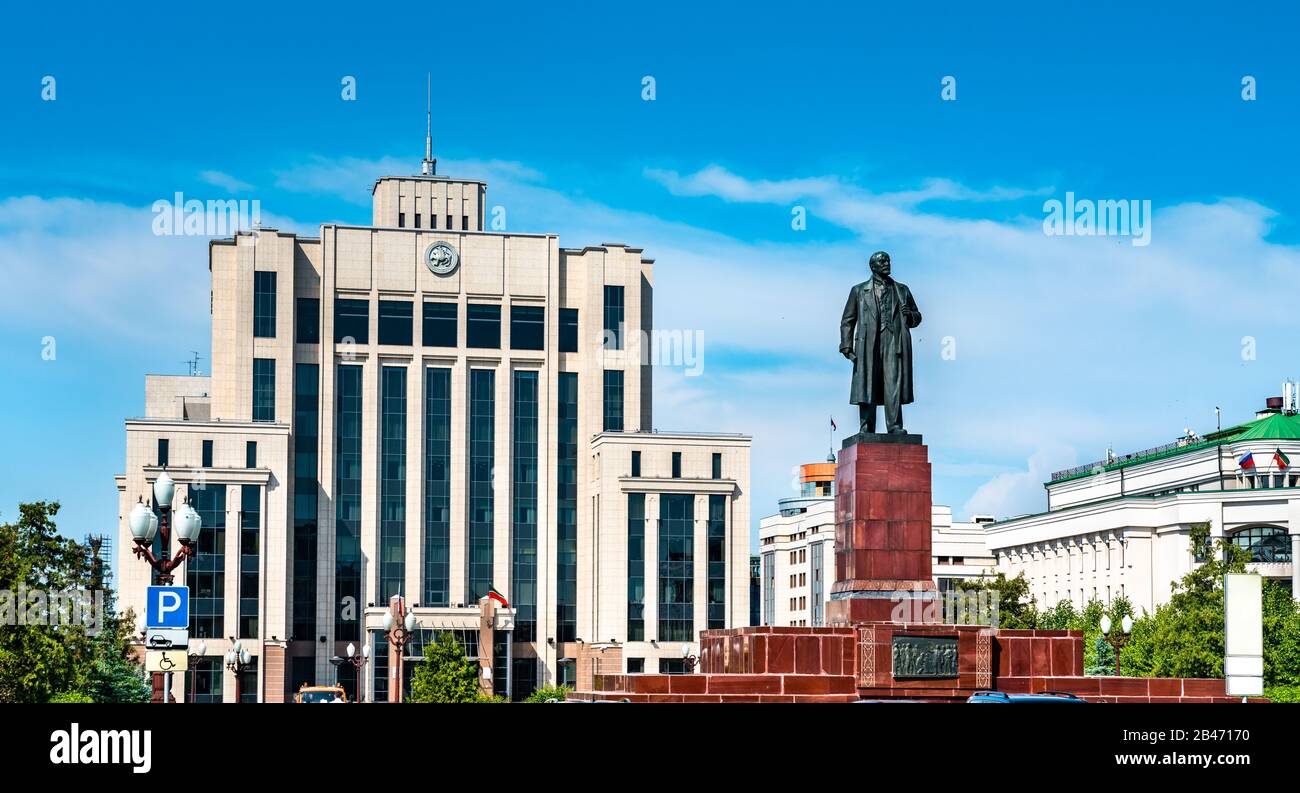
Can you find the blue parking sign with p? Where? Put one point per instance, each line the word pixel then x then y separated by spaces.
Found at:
pixel 167 607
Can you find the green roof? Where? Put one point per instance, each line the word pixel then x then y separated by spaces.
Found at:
pixel 1274 426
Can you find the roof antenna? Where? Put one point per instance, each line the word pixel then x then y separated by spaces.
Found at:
pixel 430 166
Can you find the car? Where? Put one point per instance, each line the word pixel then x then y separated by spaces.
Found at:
pixel 1002 697
pixel 320 694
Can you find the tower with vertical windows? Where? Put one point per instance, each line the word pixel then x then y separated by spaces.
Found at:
pixel 425 408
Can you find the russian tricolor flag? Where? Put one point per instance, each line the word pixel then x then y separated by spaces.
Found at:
pixel 1247 462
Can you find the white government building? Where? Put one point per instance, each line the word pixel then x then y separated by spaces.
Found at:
pixel 1120 526
pixel 797 551
pixel 427 408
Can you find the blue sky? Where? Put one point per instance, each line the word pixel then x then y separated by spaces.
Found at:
pixel 1064 345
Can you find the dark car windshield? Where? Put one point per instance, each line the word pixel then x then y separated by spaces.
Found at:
pixel 319 696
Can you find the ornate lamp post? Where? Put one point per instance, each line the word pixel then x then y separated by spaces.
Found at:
pixel 398 636
pixel 145 524
pixel 689 659
pixel 1119 638
pixel 238 659
pixel 358 661
pixel 194 672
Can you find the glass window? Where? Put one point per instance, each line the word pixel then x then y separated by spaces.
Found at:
pixel 1265 543
pixel 527 327
pixel 437 487
pixel 717 465
pixel 264 304
pixel 205 573
pixel 523 566
pixel 450 225
pixel 636 463
pixel 482 431
pixel 439 325
pixel 307 320
pixel 207 454
pixel 566 552
pixel 677 465
pixel 306 414
pixel 395 322
pixel 676 567
pixel 636 567
pixel 717 546
pixel 263 389
pixel 351 321
pixel 347 503
pixel 163 455
pixel 613 401
pixel 613 338
pixel 635 666
pixel 250 454
pixel 392 482
pixel 568 330
pixel 464 222
pixel 483 326
pixel 250 520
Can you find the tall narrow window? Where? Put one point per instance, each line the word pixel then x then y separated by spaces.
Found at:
pixel 568 330
pixel 205 573
pixel 566 510
pixel 636 463
pixel 164 456
pixel 392 483
pixel 677 465
pixel 676 567
pixel 523 567
pixel 306 321
pixel 717 545
pixel 264 304
pixel 717 465
pixel 439 325
pixel 207 453
pixel 395 322
pixel 250 522
pixel 636 567
pixel 482 433
pixel 818 594
pixel 347 501
pixel 351 321
pixel 613 401
pixel 527 327
pixel 483 326
pixel 306 416
pixel 250 454
pixel 769 588
pixel 613 339
pixel 263 389
pixel 437 487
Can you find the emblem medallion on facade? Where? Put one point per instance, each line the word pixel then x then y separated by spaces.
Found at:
pixel 442 258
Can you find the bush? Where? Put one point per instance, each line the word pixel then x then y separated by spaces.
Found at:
pixel 1283 693
pixel 547 693
pixel 73 697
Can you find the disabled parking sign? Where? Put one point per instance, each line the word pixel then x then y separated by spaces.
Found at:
pixel 167 607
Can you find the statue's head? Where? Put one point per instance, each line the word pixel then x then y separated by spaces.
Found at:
pixel 880 264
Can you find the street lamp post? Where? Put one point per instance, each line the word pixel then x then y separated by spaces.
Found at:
pixel 194 671
pixel 1118 639
pixel 690 660
pixel 144 524
pixel 238 659
pixel 358 661
pixel 399 635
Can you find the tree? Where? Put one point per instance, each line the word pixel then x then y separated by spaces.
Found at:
pixel 1184 638
pixel 1016 606
pixel 41 660
pixel 445 675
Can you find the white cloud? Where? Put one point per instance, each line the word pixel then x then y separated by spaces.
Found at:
pixel 225 181
pixel 1020 492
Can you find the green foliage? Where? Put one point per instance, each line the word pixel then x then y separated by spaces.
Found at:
pixel 445 675
pixel 41 662
pixel 1016 606
pixel 1283 693
pixel 492 700
pixel 1281 636
pixel 547 693
pixel 73 697
pixel 1184 638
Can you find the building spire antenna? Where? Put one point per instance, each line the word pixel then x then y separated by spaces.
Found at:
pixel 430 166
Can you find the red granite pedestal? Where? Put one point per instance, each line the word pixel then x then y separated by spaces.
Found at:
pixel 882 532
